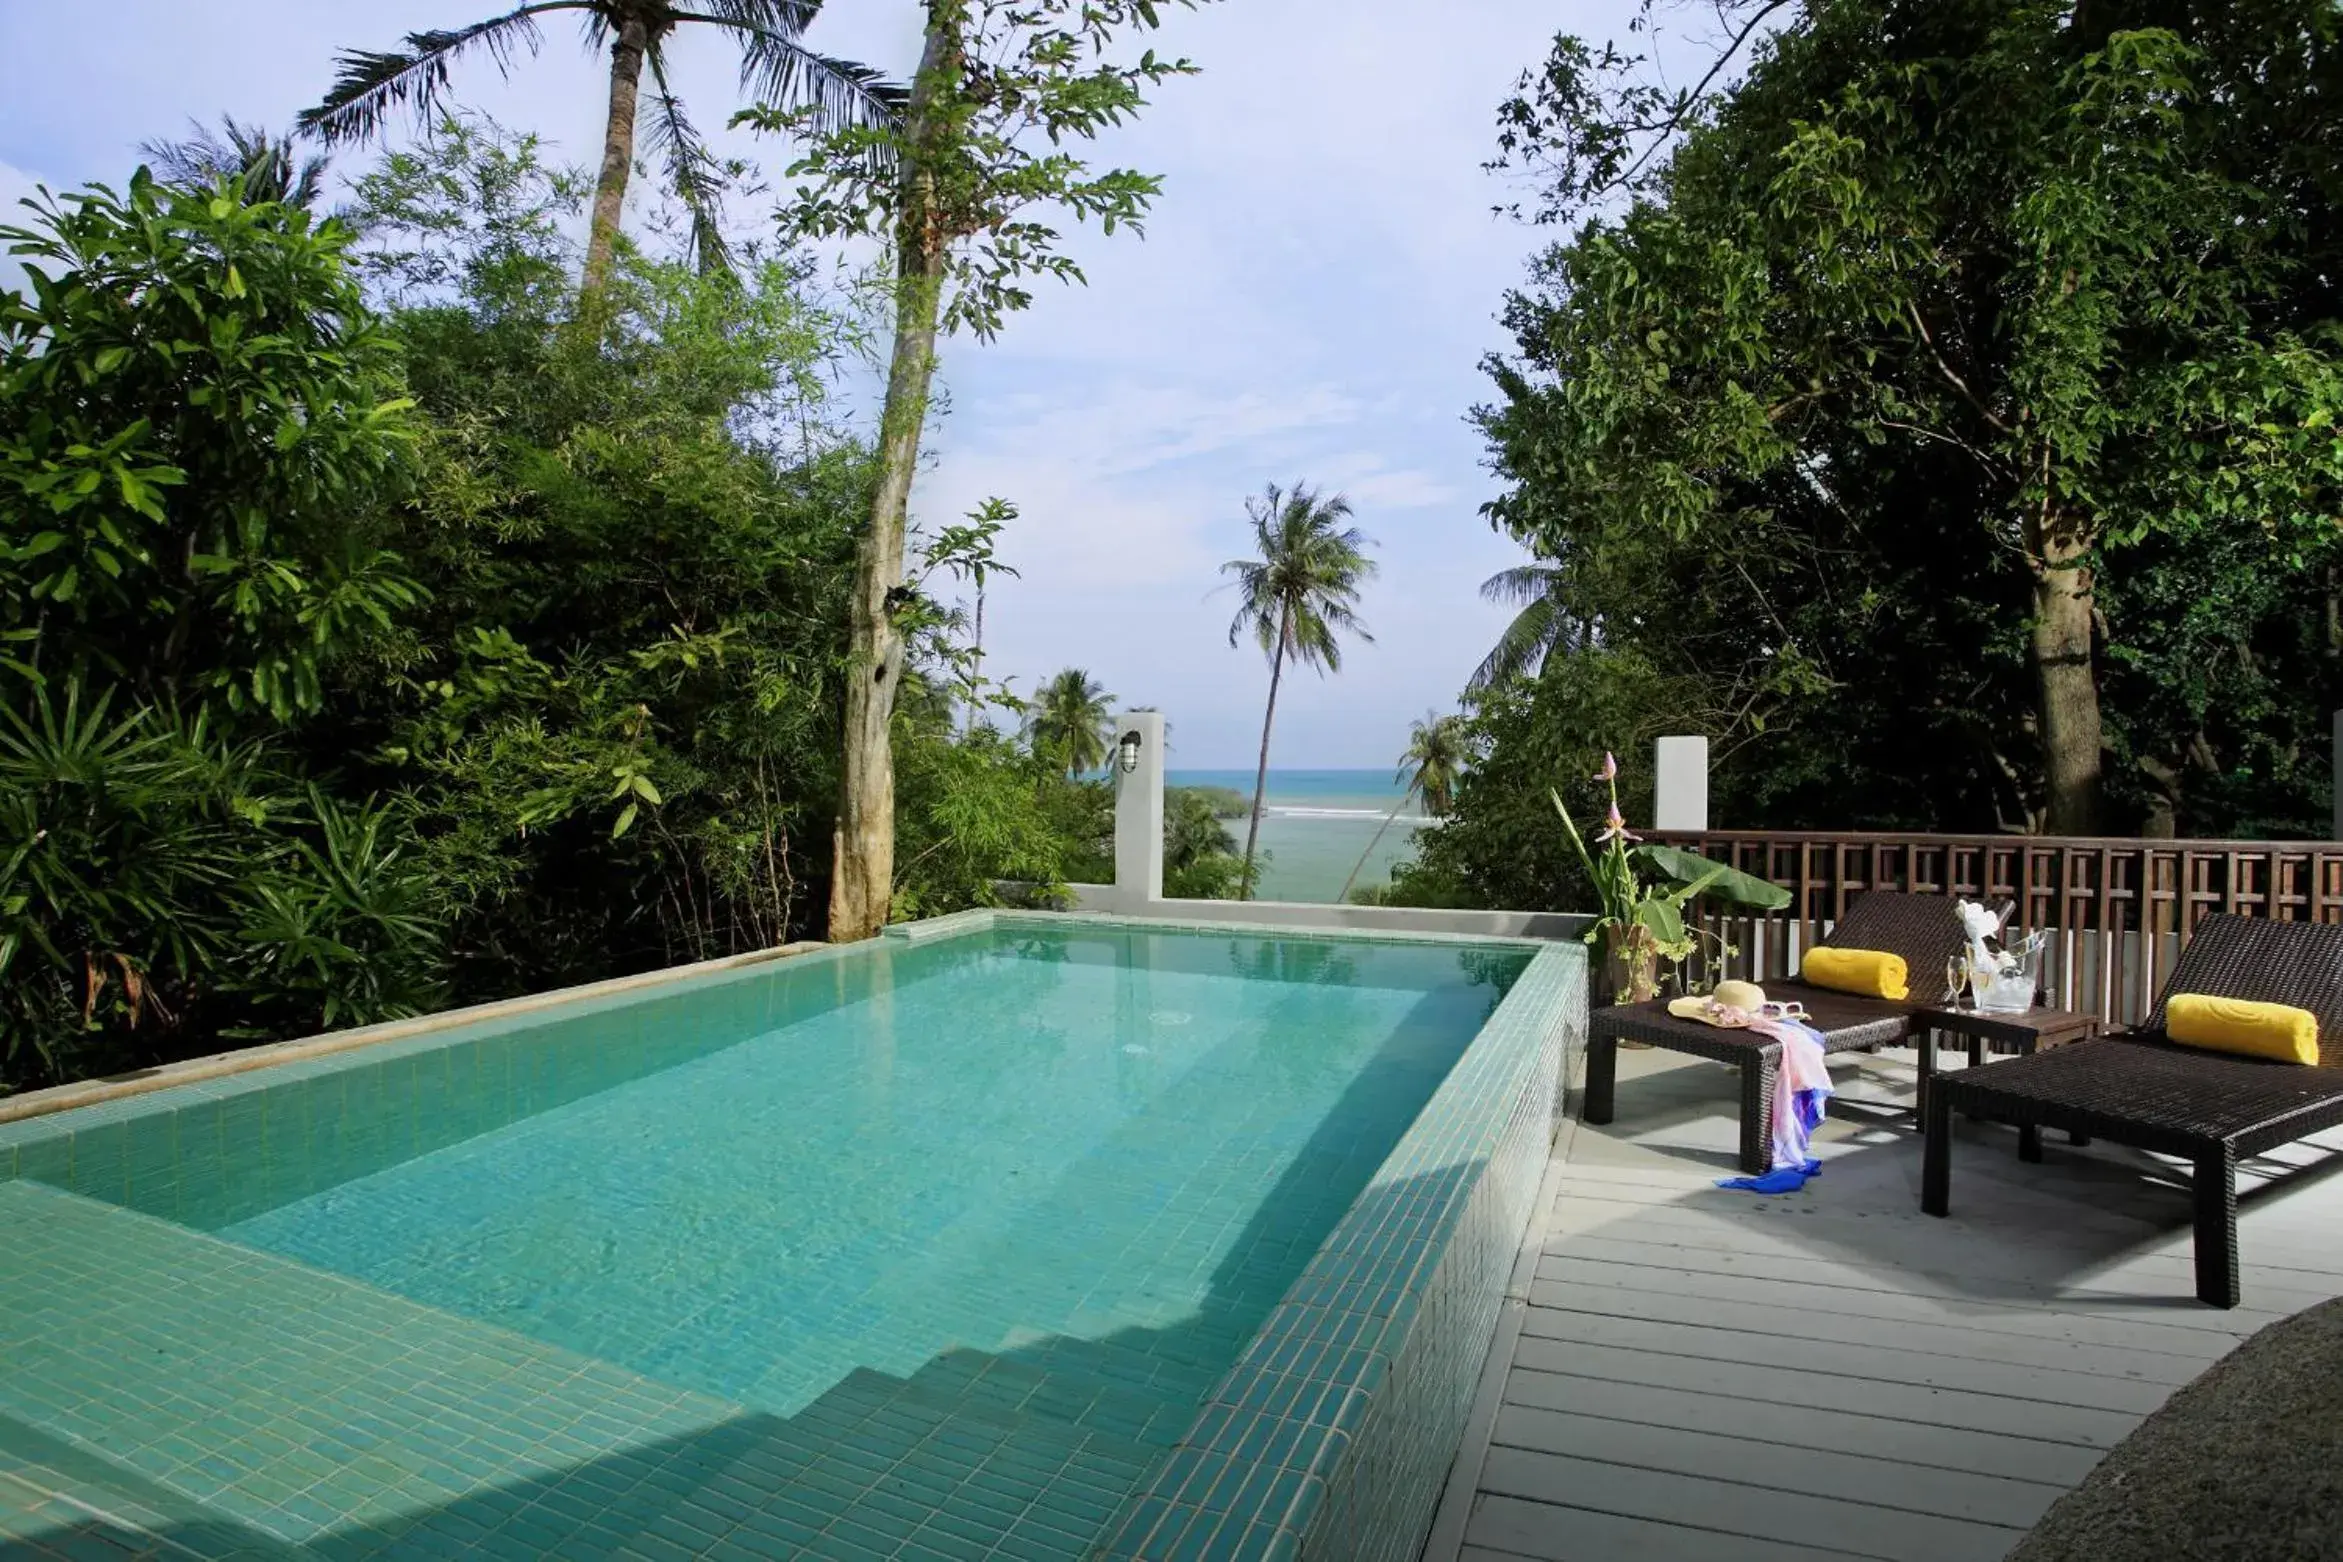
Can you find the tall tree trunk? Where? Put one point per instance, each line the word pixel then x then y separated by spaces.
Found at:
pixel 1360 866
pixel 862 878
pixel 618 149
pixel 2066 682
pixel 1285 629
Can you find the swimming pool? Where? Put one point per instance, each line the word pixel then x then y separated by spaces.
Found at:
pixel 936 1247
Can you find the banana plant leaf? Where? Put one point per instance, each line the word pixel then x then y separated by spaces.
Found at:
pixel 1716 881
pixel 1663 910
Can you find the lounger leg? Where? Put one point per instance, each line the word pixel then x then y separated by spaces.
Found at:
pixel 1936 1156
pixel 2216 1198
pixel 1927 1044
pixel 1602 1074
pixel 1760 1076
pixel 2029 1142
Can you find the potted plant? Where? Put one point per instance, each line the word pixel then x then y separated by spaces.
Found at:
pixel 1640 919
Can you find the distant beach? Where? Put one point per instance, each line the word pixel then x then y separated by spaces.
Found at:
pixel 1315 823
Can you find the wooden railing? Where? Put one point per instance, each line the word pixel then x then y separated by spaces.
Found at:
pixel 2118 910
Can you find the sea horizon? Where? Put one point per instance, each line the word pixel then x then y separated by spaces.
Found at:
pixel 1317 822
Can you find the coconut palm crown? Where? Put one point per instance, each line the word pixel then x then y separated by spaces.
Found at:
pixel 267 164
pixel 775 68
pixel 1070 721
pixel 1296 600
pixel 1428 773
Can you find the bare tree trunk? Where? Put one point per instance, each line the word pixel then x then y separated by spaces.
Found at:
pixel 2067 684
pixel 1285 629
pixel 1360 866
pixel 862 876
pixel 618 149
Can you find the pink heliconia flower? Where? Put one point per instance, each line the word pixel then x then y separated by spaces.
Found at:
pixel 1615 827
pixel 1610 770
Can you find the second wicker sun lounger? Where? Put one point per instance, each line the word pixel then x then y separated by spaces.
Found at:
pixel 2142 1089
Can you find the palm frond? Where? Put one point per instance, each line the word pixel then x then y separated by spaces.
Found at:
pixel 693 172
pixel 266 163
pixel 1523 647
pixel 1521 585
pixel 777 69
pixel 374 83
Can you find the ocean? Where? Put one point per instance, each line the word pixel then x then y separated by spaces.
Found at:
pixel 1315 823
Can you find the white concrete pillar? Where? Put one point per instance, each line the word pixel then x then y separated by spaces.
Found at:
pixel 1139 810
pixel 1680 784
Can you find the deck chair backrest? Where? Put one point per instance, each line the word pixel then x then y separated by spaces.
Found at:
pixel 2298 963
pixel 1924 929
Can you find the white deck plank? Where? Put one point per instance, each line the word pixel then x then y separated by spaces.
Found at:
pixel 1888 1483
pixel 1732 1508
pixel 1558 1304
pixel 1701 1374
pixel 1510 1527
pixel 1823 1432
pixel 1881 1364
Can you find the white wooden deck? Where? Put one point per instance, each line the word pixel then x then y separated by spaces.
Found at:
pixel 1684 1374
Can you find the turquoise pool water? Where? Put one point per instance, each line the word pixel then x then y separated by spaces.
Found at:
pixel 994 1211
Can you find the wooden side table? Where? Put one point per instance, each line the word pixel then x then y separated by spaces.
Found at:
pixel 2033 1030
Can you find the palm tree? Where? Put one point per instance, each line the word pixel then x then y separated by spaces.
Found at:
pixel 1542 625
pixel 1428 772
pixel 270 171
pixel 1297 597
pixel 775 68
pixel 1071 721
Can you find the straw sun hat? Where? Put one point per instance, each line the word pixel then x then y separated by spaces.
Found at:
pixel 1731 1006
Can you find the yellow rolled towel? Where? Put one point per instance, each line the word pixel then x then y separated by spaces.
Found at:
pixel 1867 973
pixel 2258 1030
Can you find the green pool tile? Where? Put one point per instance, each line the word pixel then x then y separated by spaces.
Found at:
pixel 449 1432
pixel 48 1159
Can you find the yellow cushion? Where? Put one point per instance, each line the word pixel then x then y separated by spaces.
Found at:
pixel 2259 1030
pixel 1867 973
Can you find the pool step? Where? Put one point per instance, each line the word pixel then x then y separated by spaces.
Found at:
pixel 881 1462
pixel 1061 1386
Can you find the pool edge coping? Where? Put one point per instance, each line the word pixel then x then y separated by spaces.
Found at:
pixel 29 1105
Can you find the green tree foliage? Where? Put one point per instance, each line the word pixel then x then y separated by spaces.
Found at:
pixel 1943 421
pixel 1200 860
pixel 334 691
pixel 1071 721
pixel 613 710
pixel 194 401
pixel 199 421
pixel 1296 600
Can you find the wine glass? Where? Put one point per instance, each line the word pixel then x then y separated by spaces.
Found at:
pixel 1956 980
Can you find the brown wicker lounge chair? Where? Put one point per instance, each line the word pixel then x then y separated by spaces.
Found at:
pixel 2140 1089
pixel 1924 929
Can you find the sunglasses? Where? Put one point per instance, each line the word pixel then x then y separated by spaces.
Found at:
pixel 1782 1011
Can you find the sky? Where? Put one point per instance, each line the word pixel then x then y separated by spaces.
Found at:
pixel 1311 302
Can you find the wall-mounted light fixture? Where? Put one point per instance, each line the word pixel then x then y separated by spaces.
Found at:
pixel 1127 752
